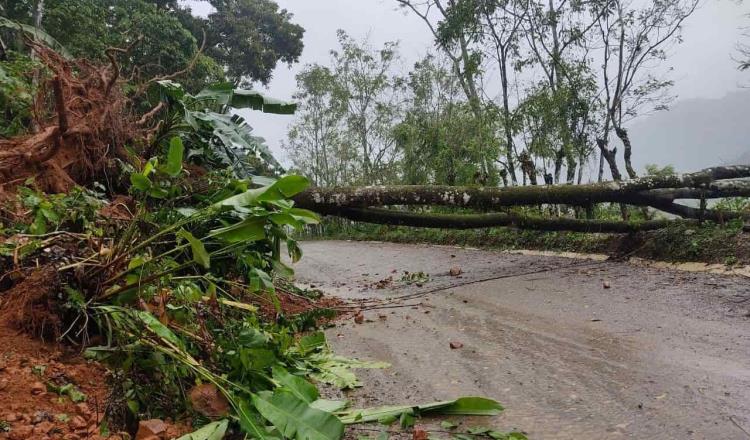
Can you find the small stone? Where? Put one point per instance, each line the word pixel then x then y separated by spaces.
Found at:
pixel 38 388
pixel 359 318
pixel 382 317
pixel 456 345
pixel 606 285
pixel 419 433
pixel 209 401
pixel 455 271
pixel 4 384
pixel 148 429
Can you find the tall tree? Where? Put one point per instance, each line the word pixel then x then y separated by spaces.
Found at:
pixel 369 90
pixel 315 140
pixel 455 35
pixel 556 31
pixel 250 37
pixel 634 41
pixel 439 137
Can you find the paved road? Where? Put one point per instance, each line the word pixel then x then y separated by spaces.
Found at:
pixel 659 355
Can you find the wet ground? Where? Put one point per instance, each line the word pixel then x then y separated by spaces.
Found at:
pixel 573 348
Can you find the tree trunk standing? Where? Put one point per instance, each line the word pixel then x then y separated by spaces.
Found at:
pixel 611 157
pixel 625 138
pixel 509 147
pixel 570 169
pixel 37 19
pixel 3 51
pixel 38 14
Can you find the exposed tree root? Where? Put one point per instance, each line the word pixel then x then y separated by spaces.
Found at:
pixel 84 121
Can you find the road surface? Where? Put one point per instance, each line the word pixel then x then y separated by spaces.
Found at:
pixel 573 348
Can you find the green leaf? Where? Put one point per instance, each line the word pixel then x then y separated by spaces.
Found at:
pixel 298 386
pixel 305 216
pixel 447 424
pixel 140 182
pixel 388 419
pixel 283 219
pixel 250 229
pixel 158 328
pixel 250 422
pixel 291 185
pixel 200 255
pixel 212 431
pixel 330 406
pixel 311 342
pixel 296 419
pixel 472 406
pixel 38 34
pixel 295 253
pixel 407 419
pixel 478 406
pixel 478 430
pixel 336 370
pixel 174 157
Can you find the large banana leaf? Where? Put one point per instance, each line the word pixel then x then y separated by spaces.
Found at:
pixel 212 431
pixel 225 94
pixel 227 138
pixel 295 418
pixel 465 406
pixel 38 34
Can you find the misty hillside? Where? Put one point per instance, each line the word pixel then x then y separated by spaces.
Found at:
pixel 695 133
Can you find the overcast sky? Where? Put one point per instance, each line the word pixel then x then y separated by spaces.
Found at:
pixel 703 65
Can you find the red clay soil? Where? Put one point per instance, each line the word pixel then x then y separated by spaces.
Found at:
pixel 28 409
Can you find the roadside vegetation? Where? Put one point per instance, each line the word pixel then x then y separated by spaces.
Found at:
pixel 711 244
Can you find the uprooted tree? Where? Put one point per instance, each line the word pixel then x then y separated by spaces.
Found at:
pixel 84 131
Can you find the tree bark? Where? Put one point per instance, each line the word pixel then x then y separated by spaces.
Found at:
pixel 628 191
pixel 473 221
pixel 611 157
pixel 628 153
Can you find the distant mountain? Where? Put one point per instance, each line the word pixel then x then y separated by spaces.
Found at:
pixel 695 134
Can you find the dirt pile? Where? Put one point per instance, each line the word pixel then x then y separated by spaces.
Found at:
pixel 49 393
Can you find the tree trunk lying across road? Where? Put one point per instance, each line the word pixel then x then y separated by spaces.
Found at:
pixel 483 198
pixel 658 192
pixel 474 221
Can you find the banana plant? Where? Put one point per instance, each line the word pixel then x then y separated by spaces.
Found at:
pixel 219 137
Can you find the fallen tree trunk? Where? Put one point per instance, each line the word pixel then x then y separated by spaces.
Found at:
pixel 635 192
pixel 474 221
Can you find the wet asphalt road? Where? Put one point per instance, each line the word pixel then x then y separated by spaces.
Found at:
pixel 660 354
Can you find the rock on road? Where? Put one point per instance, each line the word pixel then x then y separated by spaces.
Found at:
pixel 655 354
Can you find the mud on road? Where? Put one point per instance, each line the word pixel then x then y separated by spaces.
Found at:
pixel 574 349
